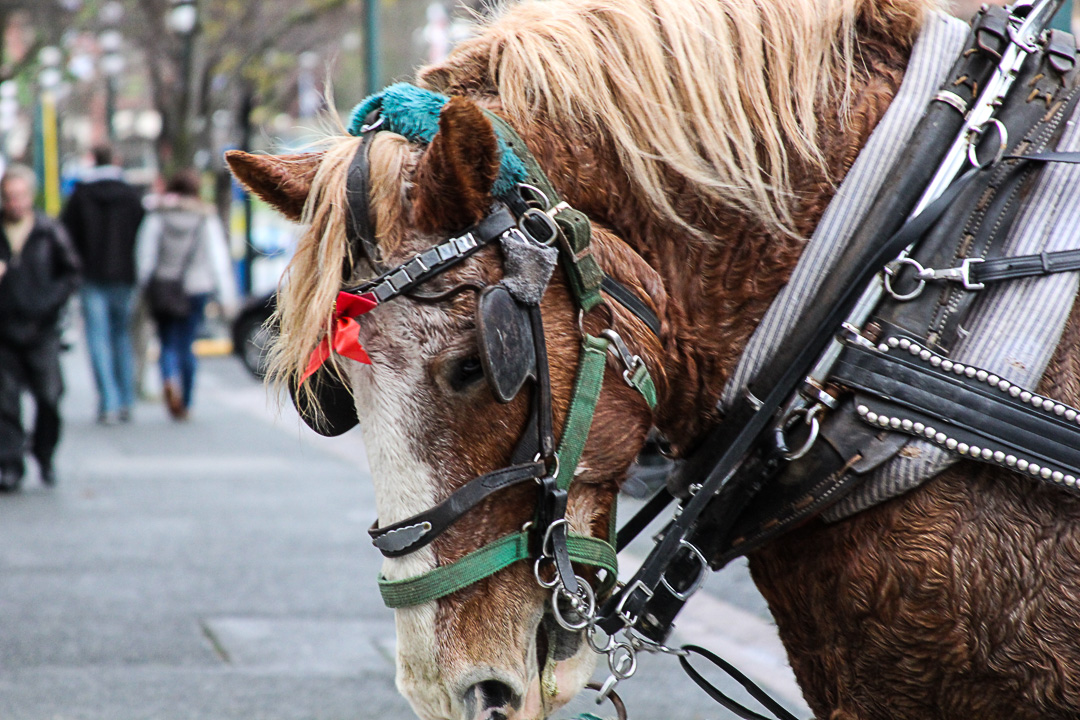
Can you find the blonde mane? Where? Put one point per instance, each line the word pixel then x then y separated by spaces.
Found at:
pixel 714 95
pixel 309 288
pixel 718 96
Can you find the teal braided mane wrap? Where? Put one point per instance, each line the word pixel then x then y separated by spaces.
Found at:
pixel 413 113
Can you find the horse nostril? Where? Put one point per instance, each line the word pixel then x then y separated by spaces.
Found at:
pixel 491 700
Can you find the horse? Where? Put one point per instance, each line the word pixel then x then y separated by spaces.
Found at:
pixel 703 139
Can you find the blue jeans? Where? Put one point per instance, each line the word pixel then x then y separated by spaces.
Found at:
pixel 107 311
pixel 177 335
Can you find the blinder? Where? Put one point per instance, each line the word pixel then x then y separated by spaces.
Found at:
pixel 337 411
pixel 507 347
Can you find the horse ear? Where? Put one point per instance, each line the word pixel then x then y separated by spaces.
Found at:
pixel 454 176
pixel 283 181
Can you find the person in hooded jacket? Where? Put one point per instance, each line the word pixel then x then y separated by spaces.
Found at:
pixel 182 238
pixel 102 217
pixel 39 271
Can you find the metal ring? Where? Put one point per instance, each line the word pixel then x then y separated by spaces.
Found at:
pixel 590 637
pixel 975 136
pixel 703 565
pixel 546 584
pixel 537 191
pixel 586 594
pixel 810 415
pixel 625 666
pixel 547 537
pixel 364 129
pixel 889 272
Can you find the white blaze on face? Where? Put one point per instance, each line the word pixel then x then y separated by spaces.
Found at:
pixel 387 403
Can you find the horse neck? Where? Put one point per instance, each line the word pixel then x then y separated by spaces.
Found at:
pixel 719 286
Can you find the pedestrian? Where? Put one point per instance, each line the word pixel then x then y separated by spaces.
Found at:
pixel 39 270
pixel 183 259
pixel 102 217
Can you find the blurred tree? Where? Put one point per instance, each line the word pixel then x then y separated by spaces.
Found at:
pixel 42 22
pixel 205 55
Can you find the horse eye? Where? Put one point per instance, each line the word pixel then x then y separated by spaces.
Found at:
pixel 466 372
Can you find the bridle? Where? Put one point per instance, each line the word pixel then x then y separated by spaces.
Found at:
pixel 532 223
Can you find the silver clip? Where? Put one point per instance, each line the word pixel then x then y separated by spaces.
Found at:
pixel 630 362
pixel 961 274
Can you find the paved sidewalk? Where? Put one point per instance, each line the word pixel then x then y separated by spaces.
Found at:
pixel 220 569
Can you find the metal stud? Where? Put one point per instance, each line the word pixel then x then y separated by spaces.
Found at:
pixel 951 443
pixel 906 425
pixel 999 457
pixel 862 410
pixel 1034 468
pixel 894 423
pixel 1070 480
pixel 1070 414
pixel 993 379
pixel 893 342
pixel 935 361
pixel 904 343
pixel 1015 391
pixel 1004 386
pixel 1010 460
pixel 963 448
pixel 871 417
pixel 1058 476
pixel 1022 465
pixel 883 347
pixel 929 432
pixel 940 437
pixel 982 375
pixel 970 371
pixel 947 365
pixel 918 428
pixel 1025 396
pixel 975 451
pixel 987 453
pixel 1059 409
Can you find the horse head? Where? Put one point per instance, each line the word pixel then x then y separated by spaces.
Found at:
pixel 448 398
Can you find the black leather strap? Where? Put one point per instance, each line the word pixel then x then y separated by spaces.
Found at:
pixel 778 711
pixel 360 226
pixel 965 404
pixel 417 531
pixel 631 302
pixel 433 261
pixel 1010 268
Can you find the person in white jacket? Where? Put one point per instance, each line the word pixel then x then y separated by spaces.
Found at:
pixel 182 239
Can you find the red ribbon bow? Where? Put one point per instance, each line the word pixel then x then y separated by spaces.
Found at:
pixel 343 337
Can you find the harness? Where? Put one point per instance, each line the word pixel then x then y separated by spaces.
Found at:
pixel 535 229
pixel 870 353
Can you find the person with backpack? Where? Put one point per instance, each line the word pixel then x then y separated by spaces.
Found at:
pixel 183 260
pixel 102 216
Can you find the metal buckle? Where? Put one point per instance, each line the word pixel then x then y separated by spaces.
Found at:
pixel 620 611
pixel 703 566
pixel 543 219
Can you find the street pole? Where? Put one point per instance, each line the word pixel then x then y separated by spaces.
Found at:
pixel 246 106
pixel 372 36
